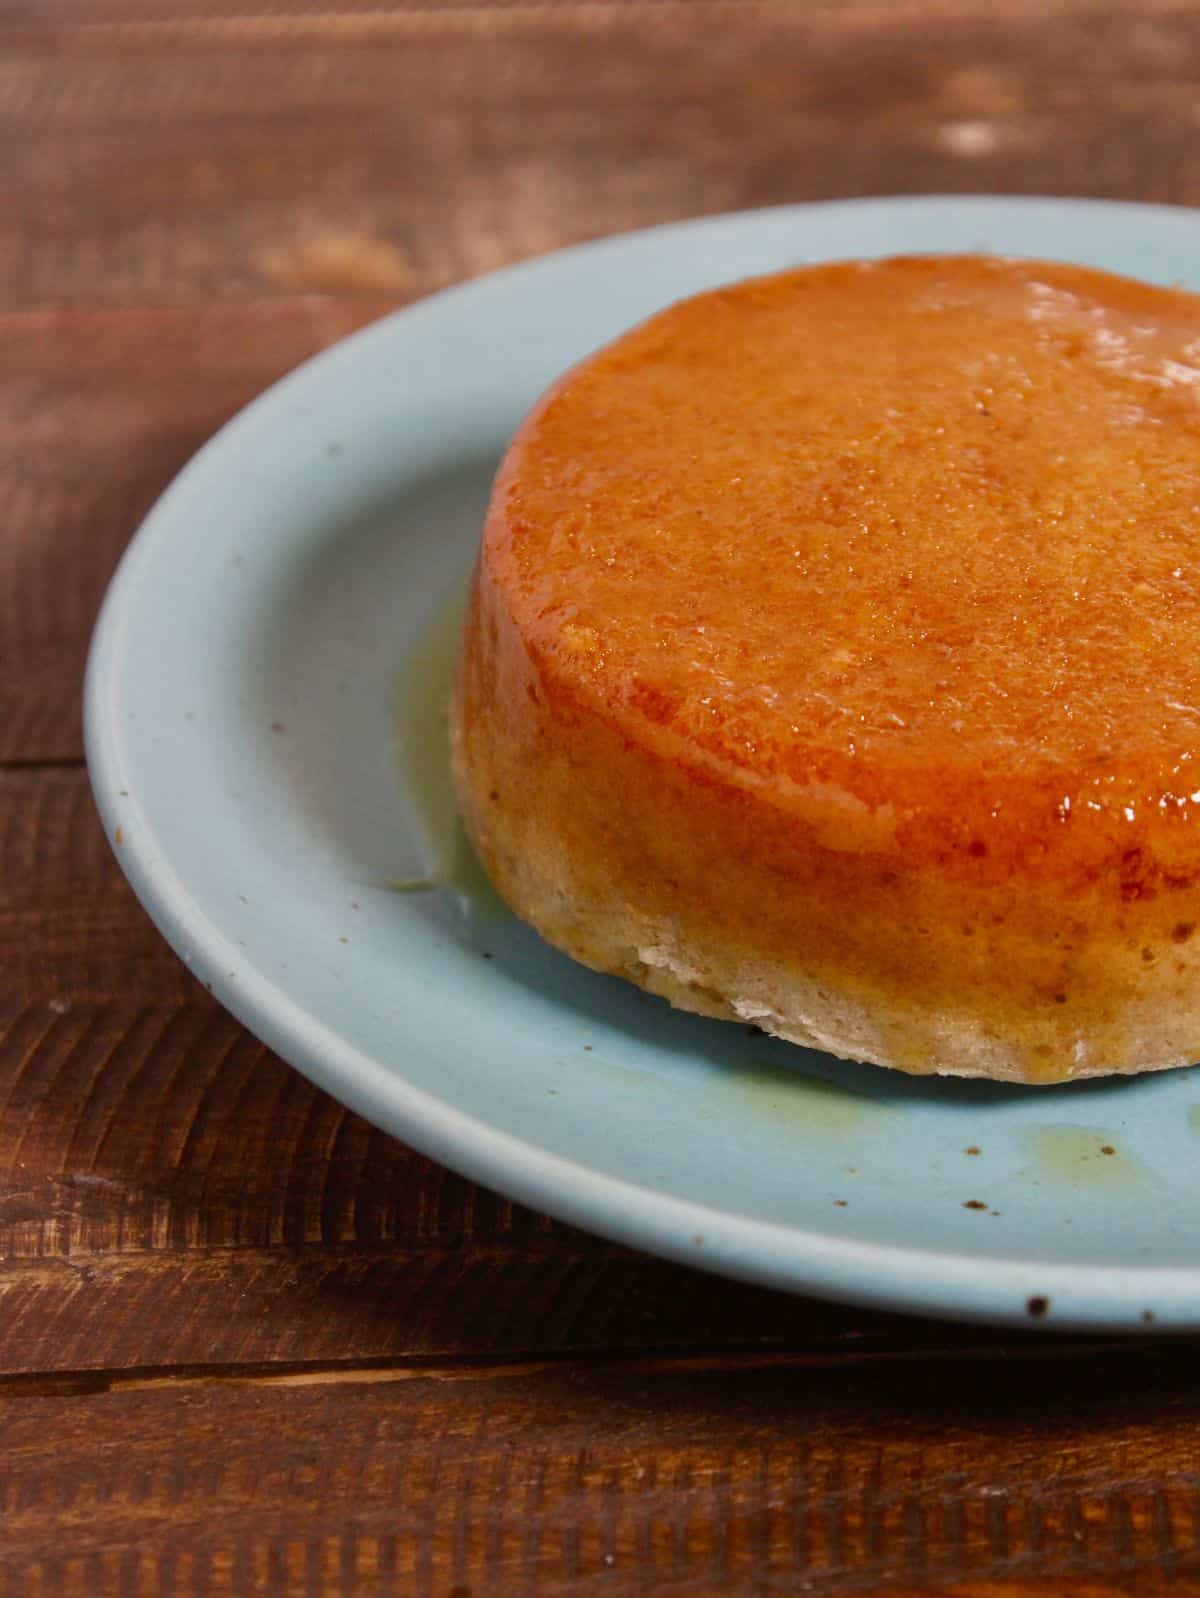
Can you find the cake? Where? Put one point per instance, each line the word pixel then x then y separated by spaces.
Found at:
pixel 831 665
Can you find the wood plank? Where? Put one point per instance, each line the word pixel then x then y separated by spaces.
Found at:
pixel 180 1309
pixel 98 411
pixel 332 169
pixel 138 22
pixel 713 1475
pixel 478 14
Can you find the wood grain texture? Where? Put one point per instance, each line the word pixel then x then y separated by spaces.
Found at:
pixel 70 928
pixel 714 1475
pixel 394 151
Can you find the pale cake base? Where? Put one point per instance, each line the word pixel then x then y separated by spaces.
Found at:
pixel 727 985
pixel 589 895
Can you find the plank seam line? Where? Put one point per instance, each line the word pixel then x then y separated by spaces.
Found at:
pixel 483 1367
pixel 41 762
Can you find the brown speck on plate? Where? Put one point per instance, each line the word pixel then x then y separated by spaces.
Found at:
pixel 277 727
pixel 1107 1148
pixel 972 1150
pixel 841 1203
pixel 118 837
pixel 974 1204
pixel 1037 1306
pixel 1147 1317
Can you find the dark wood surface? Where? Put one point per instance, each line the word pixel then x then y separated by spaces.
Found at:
pixel 248 1344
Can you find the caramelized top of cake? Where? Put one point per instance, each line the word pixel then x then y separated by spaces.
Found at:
pixel 915 541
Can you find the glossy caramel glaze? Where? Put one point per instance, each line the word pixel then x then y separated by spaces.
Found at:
pixel 878 581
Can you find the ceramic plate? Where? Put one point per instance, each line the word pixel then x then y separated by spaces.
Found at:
pixel 266 737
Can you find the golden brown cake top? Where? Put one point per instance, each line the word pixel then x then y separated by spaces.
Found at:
pixel 919 537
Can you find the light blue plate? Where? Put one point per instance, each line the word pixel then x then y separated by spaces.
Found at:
pixel 265 736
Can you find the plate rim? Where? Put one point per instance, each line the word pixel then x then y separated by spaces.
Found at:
pixel 938 1282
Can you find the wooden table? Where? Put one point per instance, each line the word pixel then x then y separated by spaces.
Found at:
pixel 248 1344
